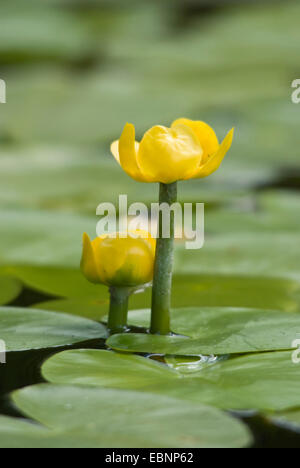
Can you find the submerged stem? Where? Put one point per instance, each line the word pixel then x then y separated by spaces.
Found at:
pixel 163 270
pixel 118 310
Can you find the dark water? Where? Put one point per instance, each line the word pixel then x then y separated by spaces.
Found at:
pixel 23 369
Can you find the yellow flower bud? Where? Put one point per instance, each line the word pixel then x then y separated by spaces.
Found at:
pixel 188 150
pixel 120 262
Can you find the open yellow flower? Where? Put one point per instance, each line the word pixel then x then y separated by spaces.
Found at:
pixel 117 261
pixel 188 150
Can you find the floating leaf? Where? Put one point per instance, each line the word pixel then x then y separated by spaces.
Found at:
pixel 114 418
pixel 76 174
pixel 25 329
pixel 42 238
pixel 269 212
pixel 217 290
pixel 60 282
pixel 288 419
pixel 98 367
pixel 36 42
pixel 213 330
pixel 266 381
pixel 18 433
pixel 188 290
pixel 10 289
pixel 90 309
pixel 272 255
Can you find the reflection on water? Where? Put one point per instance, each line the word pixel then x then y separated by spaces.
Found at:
pixel 192 365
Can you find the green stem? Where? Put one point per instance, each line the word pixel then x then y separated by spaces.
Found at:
pixel 162 284
pixel 118 310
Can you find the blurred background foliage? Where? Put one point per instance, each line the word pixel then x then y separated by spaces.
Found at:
pixel 78 70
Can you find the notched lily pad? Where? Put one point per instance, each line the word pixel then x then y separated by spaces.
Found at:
pixel 27 329
pixel 117 418
pixel 265 382
pixel 18 433
pixel 10 289
pixel 213 330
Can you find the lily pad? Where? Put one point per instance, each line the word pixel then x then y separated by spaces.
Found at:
pixel 92 301
pixel 42 238
pixel 10 289
pixel 273 255
pixel 102 368
pixel 114 418
pixel 18 433
pixel 213 330
pixel 217 290
pixel 59 282
pixel 70 41
pixel 287 419
pixel 268 212
pixel 26 329
pixel 266 381
pixel 90 309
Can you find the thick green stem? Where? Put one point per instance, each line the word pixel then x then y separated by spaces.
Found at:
pixel 118 310
pixel 163 270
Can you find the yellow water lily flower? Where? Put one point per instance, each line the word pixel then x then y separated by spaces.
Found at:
pixel 188 150
pixel 117 261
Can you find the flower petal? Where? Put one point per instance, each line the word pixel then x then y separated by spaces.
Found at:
pixel 146 236
pixel 114 148
pixel 169 154
pixel 127 153
pixel 88 262
pixel 215 161
pixel 205 134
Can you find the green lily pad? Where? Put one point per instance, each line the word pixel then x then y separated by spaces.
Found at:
pixel 90 309
pixel 213 330
pixel 102 368
pixel 266 381
pixel 114 418
pixel 269 212
pixel 70 41
pixel 217 290
pixel 10 289
pixel 26 329
pixel 18 433
pixel 60 282
pixel 287 419
pixel 42 238
pixel 273 255
pixel 92 301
